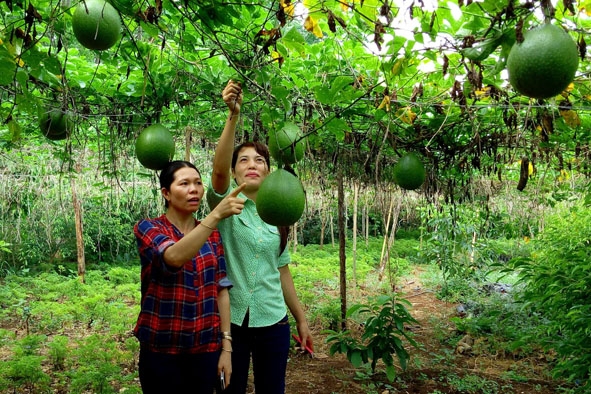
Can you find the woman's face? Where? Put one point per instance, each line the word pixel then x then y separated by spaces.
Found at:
pixel 251 168
pixel 186 190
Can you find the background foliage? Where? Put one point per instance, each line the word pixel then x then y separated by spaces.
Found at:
pixel 366 81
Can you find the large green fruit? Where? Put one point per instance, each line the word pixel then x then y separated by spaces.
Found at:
pixel 96 24
pixel 544 64
pixel 154 147
pixel 409 172
pixel 55 124
pixel 281 199
pixel 286 145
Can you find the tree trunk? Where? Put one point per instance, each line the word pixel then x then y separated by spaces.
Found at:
pixel 188 131
pixel 355 204
pixel 342 254
pixel 385 258
pixel 386 228
pixel 79 232
pixel 365 219
pixel 363 223
pixel 323 219
pixel 294 237
pixel 331 230
pixel 322 227
pixel 366 206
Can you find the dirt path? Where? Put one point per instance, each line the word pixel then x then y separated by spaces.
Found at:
pixel 436 368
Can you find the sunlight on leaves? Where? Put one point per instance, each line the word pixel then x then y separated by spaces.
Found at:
pixel 571 118
pixel 385 104
pixel 564 176
pixel 288 7
pixel 585 6
pixel 397 68
pixel 406 115
pixel 311 24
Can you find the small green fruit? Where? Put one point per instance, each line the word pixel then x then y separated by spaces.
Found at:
pixel 154 147
pixel 409 172
pixel 286 145
pixel 96 24
pixel 55 124
pixel 281 199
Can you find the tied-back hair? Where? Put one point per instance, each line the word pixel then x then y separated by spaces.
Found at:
pixel 283 236
pixel 167 174
pixel 263 150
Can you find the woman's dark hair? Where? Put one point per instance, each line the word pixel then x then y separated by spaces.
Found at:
pixel 263 150
pixel 167 174
pixel 283 235
pixel 259 147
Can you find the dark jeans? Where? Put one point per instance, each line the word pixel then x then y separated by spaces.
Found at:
pixel 269 347
pixel 162 373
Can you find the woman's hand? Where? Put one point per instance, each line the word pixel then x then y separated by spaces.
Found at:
pixel 305 335
pixel 225 365
pixel 231 204
pixel 232 96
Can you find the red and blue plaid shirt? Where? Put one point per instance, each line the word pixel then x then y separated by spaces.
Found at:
pixel 179 312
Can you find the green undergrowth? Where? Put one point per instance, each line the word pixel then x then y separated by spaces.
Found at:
pixel 316 273
pixel 61 335
pixel 58 334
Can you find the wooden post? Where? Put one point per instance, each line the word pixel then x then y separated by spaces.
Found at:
pixel 294 237
pixel 79 229
pixel 342 244
pixel 355 205
pixel 323 214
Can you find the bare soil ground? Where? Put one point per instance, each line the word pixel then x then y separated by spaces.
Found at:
pixel 435 368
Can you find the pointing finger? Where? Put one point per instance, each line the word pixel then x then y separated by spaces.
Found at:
pixel 237 191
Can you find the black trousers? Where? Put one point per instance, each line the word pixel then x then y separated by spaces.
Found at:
pixel 162 373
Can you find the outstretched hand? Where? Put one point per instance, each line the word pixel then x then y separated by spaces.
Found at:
pixel 232 95
pixel 231 204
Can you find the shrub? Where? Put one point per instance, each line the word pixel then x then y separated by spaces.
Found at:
pixel 557 283
pixel 383 332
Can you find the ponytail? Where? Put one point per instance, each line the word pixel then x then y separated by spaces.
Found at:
pixel 283 234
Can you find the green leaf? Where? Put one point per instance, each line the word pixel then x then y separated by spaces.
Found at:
pixel 337 128
pixel 355 358
pixel 293 40
pixel 52 65
pixel 323 95
pixel 353 309
pixel 281 93
pixel 482 50
pixel 339 83
pixel 7 71
pixel 391 372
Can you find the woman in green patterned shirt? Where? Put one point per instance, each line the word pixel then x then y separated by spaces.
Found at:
pixel 257 264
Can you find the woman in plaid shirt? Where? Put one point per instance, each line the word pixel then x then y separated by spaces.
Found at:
pixel 184 322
